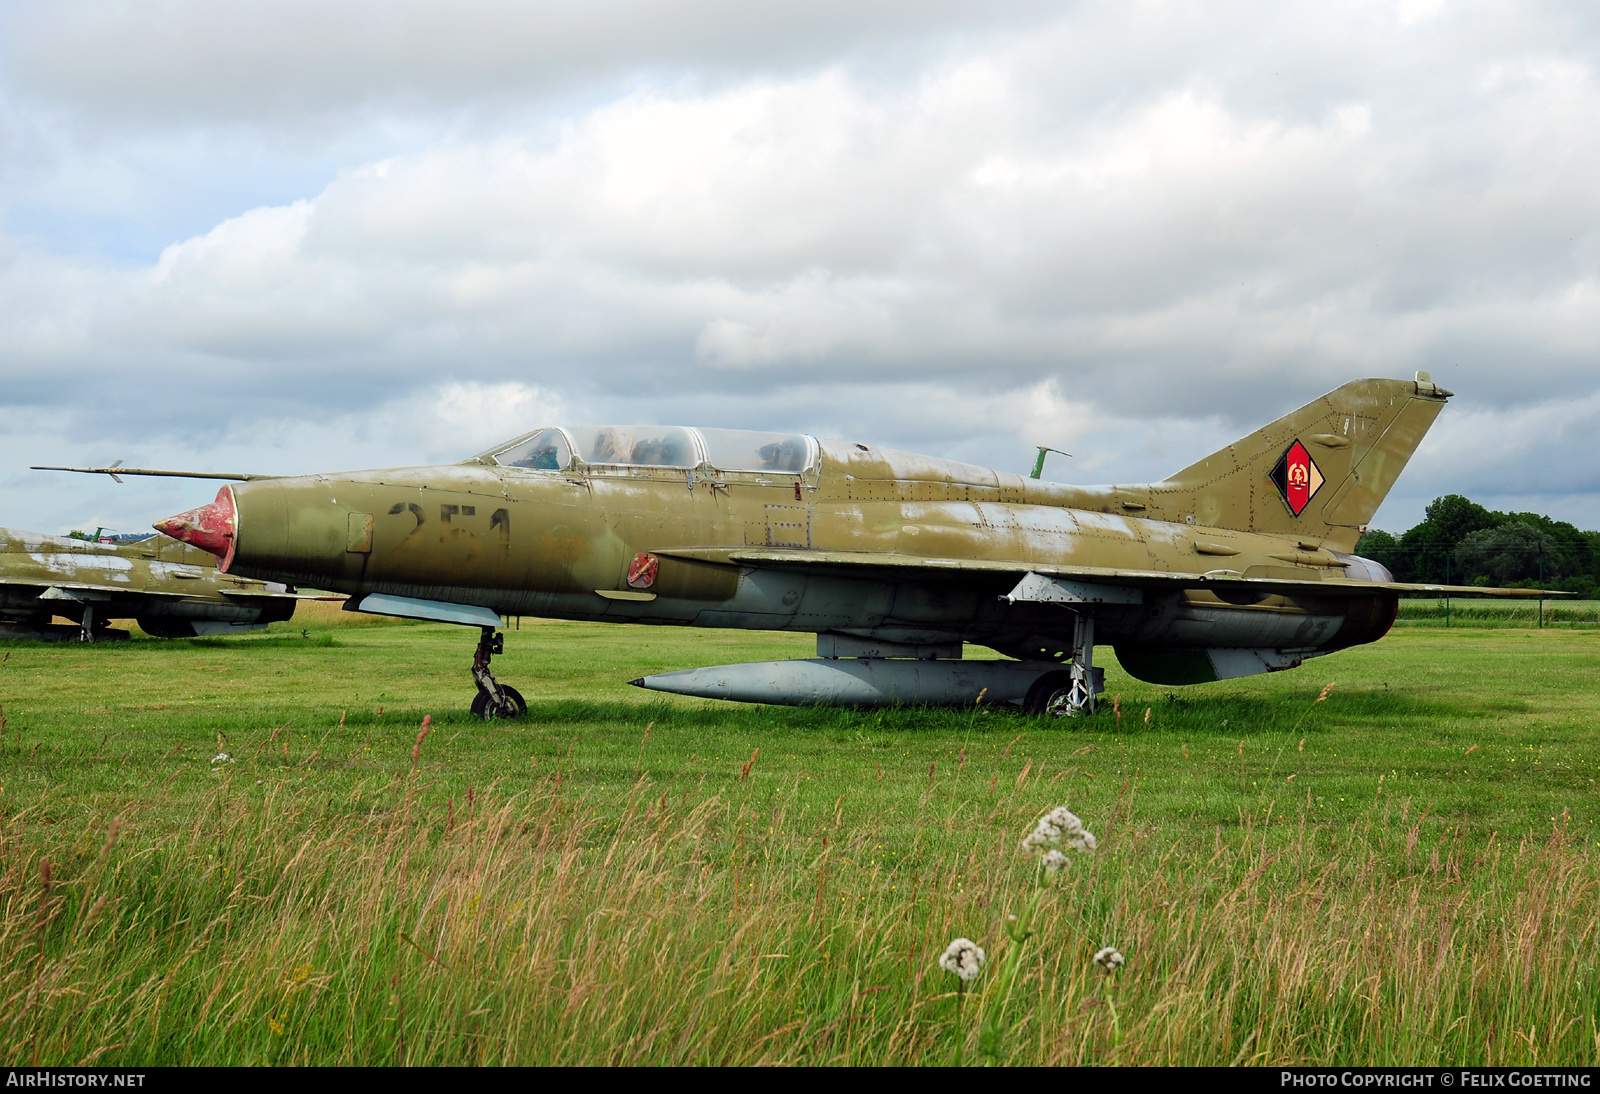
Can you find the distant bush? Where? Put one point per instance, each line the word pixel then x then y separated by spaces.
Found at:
pixel 1462 543
pixel 1512 552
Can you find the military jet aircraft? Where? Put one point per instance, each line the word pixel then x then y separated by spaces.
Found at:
pixel 1241 563
pixel 171 589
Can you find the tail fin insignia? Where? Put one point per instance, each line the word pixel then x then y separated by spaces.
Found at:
pixel 1362 433
pixel 1297 477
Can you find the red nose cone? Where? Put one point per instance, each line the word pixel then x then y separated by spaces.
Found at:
pixel 209 527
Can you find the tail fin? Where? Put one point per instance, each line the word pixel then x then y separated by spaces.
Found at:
pixel 1320 472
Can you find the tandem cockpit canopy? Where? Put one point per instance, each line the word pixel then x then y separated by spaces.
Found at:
pixel 559 448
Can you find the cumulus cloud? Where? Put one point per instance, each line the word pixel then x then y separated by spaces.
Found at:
pixel 1131 231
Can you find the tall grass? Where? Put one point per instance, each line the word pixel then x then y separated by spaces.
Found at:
pixel 1499 613
pixel 673 923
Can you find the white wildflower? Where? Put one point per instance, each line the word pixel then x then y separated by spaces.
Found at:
pixel 1054 861
pixel 1065 819
pixel 963 957
pixel 1109 959
pixel 1055 826
pixel 222 758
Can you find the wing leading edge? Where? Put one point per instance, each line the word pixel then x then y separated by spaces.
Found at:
pixel 914 567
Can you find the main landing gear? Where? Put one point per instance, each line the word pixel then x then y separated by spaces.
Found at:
pixel 1075 689
pixel 494 699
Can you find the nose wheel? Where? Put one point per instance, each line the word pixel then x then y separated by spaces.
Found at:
pixel 494 699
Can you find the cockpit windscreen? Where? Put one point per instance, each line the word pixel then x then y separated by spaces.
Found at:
pixel 546 450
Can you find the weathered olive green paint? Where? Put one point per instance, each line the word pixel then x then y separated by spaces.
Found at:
pixel 695 580
pixel 1360 435
pixel 166 585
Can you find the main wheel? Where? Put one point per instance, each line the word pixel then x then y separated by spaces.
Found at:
pixel 482 708
pixel 1049 690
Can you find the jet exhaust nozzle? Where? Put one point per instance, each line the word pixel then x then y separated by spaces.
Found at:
pixel 210 527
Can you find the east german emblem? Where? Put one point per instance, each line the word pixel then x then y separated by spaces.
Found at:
pixel 1297 477
pixel 642 571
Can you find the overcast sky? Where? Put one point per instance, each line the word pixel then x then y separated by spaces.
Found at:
pixel 305 236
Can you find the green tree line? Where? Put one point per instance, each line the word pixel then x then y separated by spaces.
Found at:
pixel 1461 542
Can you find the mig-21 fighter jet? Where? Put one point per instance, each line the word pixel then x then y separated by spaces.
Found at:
pixel 1240 563
pixel 171 589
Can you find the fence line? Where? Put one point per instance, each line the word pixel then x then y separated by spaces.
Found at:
pixel 1574 556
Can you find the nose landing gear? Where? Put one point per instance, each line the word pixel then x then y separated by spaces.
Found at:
pixel 494 699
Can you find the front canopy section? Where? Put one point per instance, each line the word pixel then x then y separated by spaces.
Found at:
pixel 546 450
pixel 598 448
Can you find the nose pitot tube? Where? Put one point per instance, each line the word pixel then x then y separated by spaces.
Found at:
pixel 210 527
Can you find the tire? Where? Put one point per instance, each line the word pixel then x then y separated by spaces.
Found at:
pixel 480 703
pixel 1044 689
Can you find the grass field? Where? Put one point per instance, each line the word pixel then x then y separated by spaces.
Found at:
pixel 1406 872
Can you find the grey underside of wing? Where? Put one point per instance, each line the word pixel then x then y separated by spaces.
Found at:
pixel 908 567
pixel 259 594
